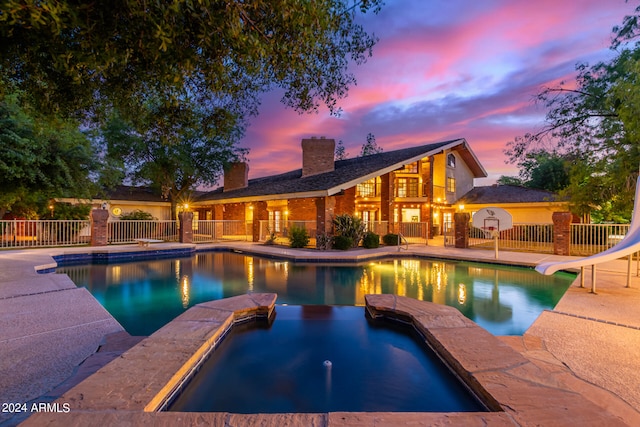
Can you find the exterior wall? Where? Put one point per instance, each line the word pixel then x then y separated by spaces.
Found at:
pixel 302 209
pixel 524 213
pixel 346 202
pixel 161 211
pixel 463 177
pixel 234 212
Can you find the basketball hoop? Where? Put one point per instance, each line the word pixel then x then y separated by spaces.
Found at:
pixel 492 221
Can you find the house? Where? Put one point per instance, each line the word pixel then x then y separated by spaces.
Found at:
pixel 411 190
pixel 526 205
pixel 124 199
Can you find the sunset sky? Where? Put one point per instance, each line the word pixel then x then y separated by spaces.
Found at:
pixel 445 69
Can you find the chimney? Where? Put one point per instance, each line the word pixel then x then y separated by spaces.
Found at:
pixel 236 176
pixel 317 156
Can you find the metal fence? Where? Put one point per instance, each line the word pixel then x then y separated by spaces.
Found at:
pixel 120 232
pixel 588 239
pixel 522 237
pixel 21 233
pixel 208 231
pixel 278 231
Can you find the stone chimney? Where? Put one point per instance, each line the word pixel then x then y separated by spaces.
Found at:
pixel 317 156
pixel 236 176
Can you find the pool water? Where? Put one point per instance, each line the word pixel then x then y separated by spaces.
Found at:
pixel 145 295
pixel 324 359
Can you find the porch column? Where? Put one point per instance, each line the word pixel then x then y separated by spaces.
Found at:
pixel 260 213
pixel 461 227
pixel 186 227
pixel 387 204
pixel 325 207
pixel 561 232
pixel 99 230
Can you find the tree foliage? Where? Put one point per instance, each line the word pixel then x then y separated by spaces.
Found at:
pixel 341 153
pixel 595 122
pixel 173 148
pixel 542 170
pixel 40 158
pixel 370 147
pixel 75 56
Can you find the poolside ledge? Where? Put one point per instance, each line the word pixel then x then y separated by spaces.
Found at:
pixel 130 389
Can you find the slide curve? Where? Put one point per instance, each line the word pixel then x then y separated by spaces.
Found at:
pixel 628 245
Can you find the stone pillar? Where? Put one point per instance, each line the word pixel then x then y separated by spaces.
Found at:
pixel 186 227
pixel 260 213
pixel 561 233
pixel 99 230
pixel 461 229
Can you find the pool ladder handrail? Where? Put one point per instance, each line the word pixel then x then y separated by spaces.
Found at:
pixel 406 242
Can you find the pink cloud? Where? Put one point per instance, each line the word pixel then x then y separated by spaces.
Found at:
pixel 443 71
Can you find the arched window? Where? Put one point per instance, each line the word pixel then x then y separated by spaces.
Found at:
pixel 451 160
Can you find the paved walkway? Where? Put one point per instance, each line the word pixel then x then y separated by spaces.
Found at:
pixel 589 343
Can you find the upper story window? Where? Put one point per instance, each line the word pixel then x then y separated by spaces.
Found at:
pixel 451 185
pixel 410 168
pixel 367 189
pixel 407 187
pixel 451 160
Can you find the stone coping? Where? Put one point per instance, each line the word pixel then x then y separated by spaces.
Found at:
pixel 131 389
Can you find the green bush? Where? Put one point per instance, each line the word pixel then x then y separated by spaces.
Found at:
pixel 298 237
pixel 371 240
pixel 342 242
pixel 349 226
pixel 390 239
pixel 137 215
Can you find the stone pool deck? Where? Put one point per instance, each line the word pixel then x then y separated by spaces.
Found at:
pixel 577 365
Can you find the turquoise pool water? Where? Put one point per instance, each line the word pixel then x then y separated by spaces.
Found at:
pixel 145 295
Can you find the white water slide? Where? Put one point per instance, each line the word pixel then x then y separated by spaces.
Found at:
pixel 627 246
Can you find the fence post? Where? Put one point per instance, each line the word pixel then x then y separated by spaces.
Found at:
pixel 186 227
pixel 461 227
pixel 99 230
pixel 562 233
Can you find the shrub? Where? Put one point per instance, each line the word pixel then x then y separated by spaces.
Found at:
pixel 271 238
pixel 137 215
pixel 298 237
pixel 323 241
pixel 342 242
pixel 371 240
pixel 349 226
pixel 390 239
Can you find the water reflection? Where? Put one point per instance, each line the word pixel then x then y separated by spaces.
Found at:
pixel 145 295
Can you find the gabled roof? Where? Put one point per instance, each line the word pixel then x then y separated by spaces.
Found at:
pixel 347 173
pixel 496 194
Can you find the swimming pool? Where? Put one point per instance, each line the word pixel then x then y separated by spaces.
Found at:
pixel 145 295
pixel 319 359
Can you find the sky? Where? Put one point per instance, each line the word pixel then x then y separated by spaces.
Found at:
pixel 447 69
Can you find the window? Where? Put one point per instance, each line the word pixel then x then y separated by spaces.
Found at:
pixel 275 221
pixel 407 187
pixel 410 168
pixel 451 185
pixel 367 189
pixel 451 160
